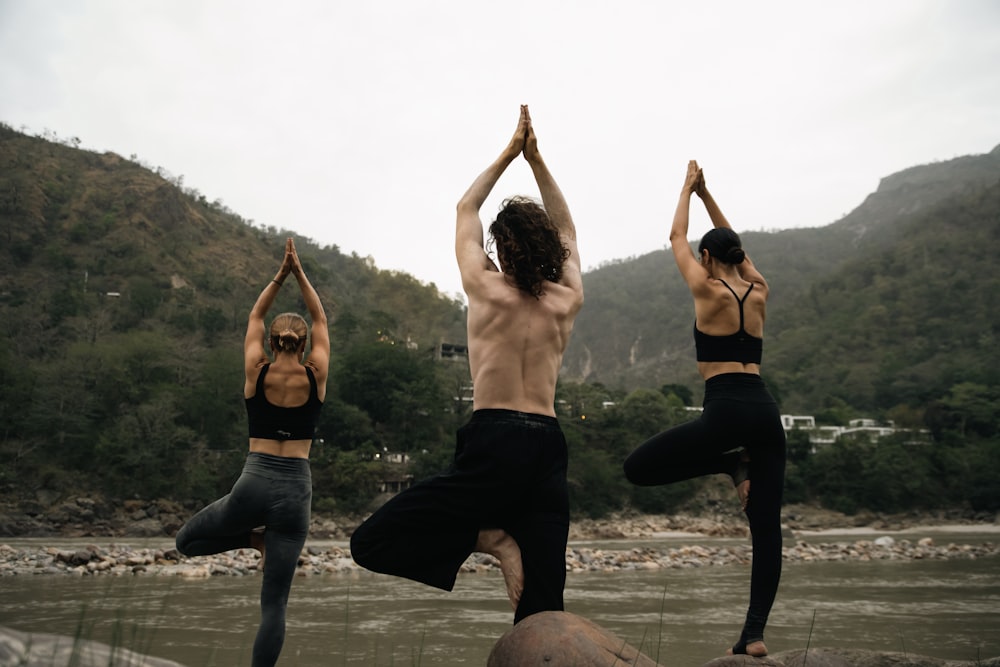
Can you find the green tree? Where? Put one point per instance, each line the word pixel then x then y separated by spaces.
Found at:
pixel 969 409
pixel 212 402
pixel 345 481
pixel 345 427
pixel 681 391
pixel 398 389
pixel 133 451
pixel 143 296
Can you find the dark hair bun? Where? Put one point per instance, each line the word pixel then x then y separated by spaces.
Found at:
pixel 735 256
pixel 723 244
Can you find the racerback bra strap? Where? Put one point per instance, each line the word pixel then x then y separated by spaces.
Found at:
pixel 739 301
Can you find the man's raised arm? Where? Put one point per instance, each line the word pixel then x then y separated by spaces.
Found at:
pixel 552 197
pixel 471 255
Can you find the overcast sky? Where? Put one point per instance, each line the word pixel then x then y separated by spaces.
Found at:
pixel 360 124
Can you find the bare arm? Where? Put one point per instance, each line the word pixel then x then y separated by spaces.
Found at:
pixel 691 269
pixel 553 200
pixel 319 350
pixel 714 212
pixel 747 270
pixel 552 196
pixel 254 355
pixel 472 257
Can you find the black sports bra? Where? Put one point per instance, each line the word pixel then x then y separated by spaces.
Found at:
pixel 739 346
pixel 273 422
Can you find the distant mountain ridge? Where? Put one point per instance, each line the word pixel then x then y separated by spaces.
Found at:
pixel 924 244
pixel 123 306
pixel 124 297
pixel 635 329
pixel 75 220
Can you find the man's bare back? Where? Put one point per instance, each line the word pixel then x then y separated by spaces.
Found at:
pixel 516 344
pixel 516 338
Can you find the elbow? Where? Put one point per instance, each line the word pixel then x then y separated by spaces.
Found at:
pixel 466 206
pixel 318 317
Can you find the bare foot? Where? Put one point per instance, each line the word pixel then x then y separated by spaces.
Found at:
pixel 755 649
pixel 497 543
pixel 741 479
pixel 257 542
pixel 743 493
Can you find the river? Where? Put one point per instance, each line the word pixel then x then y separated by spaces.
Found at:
pixel 944 608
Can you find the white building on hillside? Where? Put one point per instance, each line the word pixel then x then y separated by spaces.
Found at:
pixel 857 428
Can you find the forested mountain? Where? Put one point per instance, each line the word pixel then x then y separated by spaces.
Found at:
pixel 78 225
pixel 123 304
pixel 891 305
pixel 124 297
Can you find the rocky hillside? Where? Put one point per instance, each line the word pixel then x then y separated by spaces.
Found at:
pixel 899 292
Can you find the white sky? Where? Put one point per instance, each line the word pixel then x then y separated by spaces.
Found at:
pixel 361 123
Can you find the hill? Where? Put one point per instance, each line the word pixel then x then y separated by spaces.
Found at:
pixel 893 304
pixel 123 303
pixel 124 297
pixel 78 223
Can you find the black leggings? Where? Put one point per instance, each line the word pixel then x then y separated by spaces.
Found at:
pixel 274 492
pixel 738 412
pixel 509 472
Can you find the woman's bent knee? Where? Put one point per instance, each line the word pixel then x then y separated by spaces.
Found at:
pixel 360 546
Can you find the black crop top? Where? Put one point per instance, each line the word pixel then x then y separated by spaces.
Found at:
pixel 273 422
pixel 739 346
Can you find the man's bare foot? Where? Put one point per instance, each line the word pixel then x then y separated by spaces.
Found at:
pixel 755 649
pixel 497 543
pixel 257 542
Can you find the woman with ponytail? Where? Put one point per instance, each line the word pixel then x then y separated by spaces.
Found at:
pixel 739 432
pixel 268 508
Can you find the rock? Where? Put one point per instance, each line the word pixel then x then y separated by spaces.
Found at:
pixel 561 639
pixel 828 657
pixel 46 497
pixel 36 649
pixel 743 660
pixel 146 527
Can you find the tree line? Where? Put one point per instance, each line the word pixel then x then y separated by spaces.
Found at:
pixel 124 301
pixel 138 415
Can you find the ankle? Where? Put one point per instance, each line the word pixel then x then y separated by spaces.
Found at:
pixel 492 541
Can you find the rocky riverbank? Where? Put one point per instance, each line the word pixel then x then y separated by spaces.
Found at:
pixel 106 529
pixel 714 513
pixel 124 560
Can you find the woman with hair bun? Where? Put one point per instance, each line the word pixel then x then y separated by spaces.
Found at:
pixel 268 508
pixel 739 432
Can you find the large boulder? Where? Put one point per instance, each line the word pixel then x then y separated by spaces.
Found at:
pixel 747 661
pixel 561 639
pixel 38 649
pixel 830 657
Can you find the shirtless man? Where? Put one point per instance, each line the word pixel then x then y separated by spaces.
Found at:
pixel 505 493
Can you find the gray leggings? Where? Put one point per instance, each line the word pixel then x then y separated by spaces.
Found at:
pixel 274 492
